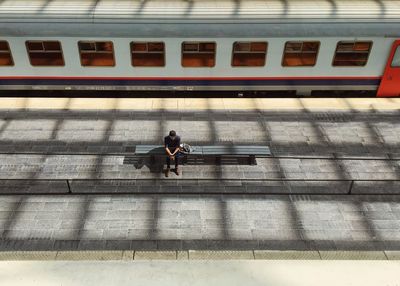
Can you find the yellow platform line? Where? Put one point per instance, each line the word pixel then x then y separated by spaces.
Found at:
pixel 325 104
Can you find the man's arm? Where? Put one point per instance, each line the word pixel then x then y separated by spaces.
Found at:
pixel 177 149
pixel 166 147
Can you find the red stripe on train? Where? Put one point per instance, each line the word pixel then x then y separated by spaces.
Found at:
pixel 192 78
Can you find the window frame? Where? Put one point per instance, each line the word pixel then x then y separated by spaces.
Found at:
pixel 94 41
pixel 354 42
pixel 164 53
pixel 9 52
pixel 249 52
pixel 200 42
pixel 44 51
pixel 302 42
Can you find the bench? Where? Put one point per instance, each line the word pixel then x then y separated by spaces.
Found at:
pixel 210 151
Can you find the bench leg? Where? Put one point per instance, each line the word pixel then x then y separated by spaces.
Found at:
pixel 252 160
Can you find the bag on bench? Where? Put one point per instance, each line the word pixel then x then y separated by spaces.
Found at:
pixel 185 148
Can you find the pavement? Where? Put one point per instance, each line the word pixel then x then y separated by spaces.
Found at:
pixel 69 181
pixel 289 133
pixel 213 222
pixel 254 273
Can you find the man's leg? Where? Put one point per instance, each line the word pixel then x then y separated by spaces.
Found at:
pixel 176 165
pixel 168 166
pixel 168 162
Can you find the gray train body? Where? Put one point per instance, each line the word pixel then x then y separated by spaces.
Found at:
pixel 222 22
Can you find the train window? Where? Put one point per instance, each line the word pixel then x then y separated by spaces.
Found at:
pixel 5 54
pixel 249 54
pixel 351 54
pixel 45 53
pixel 299 54
pixel 148 54
pixel 198 54
pixel 396 58
pixel 87 46
pixel 96 54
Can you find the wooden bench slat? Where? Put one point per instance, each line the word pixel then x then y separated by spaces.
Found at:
pixel 160 150
pixel 209 150
pixel 236 150
pixel 149 149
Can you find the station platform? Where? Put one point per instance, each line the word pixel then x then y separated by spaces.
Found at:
pixel 69 180
pixel 218 273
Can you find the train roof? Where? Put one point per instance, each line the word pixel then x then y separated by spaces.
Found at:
pixel 200 17
pixel 136 10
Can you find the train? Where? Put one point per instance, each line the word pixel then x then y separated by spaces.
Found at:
pixel 240 47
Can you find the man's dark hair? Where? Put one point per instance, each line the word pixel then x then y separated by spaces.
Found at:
pixel 172 133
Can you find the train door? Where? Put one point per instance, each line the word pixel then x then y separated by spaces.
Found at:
pixel 390 83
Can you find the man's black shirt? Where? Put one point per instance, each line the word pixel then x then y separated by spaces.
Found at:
pixel 172 144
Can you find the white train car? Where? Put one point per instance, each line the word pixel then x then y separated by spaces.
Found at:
pixel 265 47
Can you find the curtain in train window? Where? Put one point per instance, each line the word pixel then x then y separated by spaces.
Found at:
pixel 198 54
pixel 148 54
pixel 96 54
pixel 300 54
pixel 352 53
pixel 249 54
pixel 45 53
pixel 5 54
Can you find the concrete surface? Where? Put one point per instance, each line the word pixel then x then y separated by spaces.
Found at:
pixel 218 273
pixel 320 146
pixel 200 222
pixel 201 103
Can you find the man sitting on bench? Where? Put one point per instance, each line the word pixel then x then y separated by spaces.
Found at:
pixel 171 144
